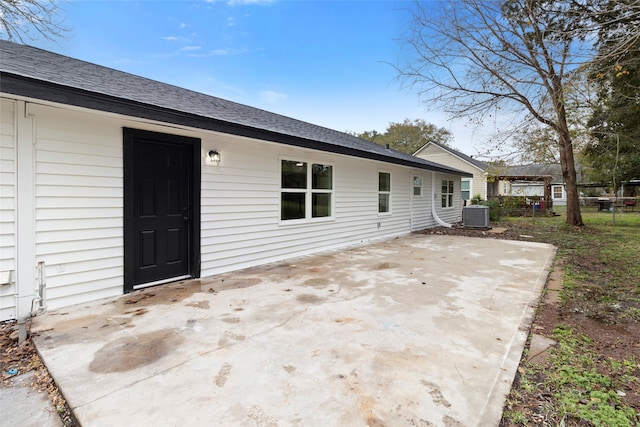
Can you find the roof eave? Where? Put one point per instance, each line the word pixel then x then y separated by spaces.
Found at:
pixel 38 89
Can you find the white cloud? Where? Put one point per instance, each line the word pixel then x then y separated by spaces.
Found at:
pixel 210 53
pixel 249 2
pixel 220 52
pixel 231 22
pixel 271 97
pixel 175 39
pixel 190 48
pixel 183 25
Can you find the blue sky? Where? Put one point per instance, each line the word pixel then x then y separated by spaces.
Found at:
pixel 325 62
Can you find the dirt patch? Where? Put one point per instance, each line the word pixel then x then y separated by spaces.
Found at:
pixel 169 294
pixel 222 283
pixel 204 305
pixel 223 375
pixel 346 320
pixel 317 282
pixel 309 299
pixel 374 422
pixel 230 338
pixel 385 266
pixel 129 353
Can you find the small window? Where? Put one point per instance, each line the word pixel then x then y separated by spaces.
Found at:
pixel 465 189
pixel 417 186
pixel 305 188
pixel 557 192
pixel 384 192
pixel 447 193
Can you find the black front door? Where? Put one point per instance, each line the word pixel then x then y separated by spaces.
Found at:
pixel 160 214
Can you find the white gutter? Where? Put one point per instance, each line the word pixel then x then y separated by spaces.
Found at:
pixel 435 199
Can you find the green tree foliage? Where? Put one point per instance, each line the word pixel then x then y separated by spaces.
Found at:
pixel 614 151
pixel 409 136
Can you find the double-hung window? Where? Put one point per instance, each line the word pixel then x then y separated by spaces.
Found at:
pixel 321 190
pixel 447 193
pixel 306 190
pixel 465 189
pixel 384 192
pixel 417 185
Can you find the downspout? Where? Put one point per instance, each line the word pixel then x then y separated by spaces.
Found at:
pixel 434 213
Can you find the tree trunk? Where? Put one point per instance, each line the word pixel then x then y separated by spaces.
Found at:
pixel 567 163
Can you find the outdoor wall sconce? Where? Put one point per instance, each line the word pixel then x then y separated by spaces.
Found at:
pixel 214 156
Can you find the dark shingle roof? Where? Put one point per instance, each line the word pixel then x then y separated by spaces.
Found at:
pixel 33 72
pixel 535 171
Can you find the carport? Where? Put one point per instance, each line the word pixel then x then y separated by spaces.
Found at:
pixel 419 330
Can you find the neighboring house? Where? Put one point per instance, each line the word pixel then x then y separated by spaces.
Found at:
pixel 536 180
pixel 111 182
pixel 470 186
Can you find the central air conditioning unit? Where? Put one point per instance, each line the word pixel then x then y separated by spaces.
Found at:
pixel 475 216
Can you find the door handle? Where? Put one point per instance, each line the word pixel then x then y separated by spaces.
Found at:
pixel 185 214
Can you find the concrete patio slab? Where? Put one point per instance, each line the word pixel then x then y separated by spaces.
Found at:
pixel 23 405
pixel 421 330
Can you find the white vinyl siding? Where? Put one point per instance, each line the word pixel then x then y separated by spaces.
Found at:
pixel 421 205
pixel 7 207
pixel 78 202
pixel 241 224
pixel 78 205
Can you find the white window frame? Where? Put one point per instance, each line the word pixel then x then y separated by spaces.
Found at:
pixel 446 198
pixel 415 177
pixel 553 192
pixel 313 191
pixel 470 181
pixel 388 193
pixel 309 191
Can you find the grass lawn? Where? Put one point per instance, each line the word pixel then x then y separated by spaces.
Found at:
pixel 591 376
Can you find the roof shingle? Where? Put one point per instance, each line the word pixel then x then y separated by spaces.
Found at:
pixel 111 90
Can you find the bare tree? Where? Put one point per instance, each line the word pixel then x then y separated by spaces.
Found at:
pixel 482 57
pixel 22 20
pixel 536 142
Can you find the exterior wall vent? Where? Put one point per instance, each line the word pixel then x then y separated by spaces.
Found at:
pixel 475 216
